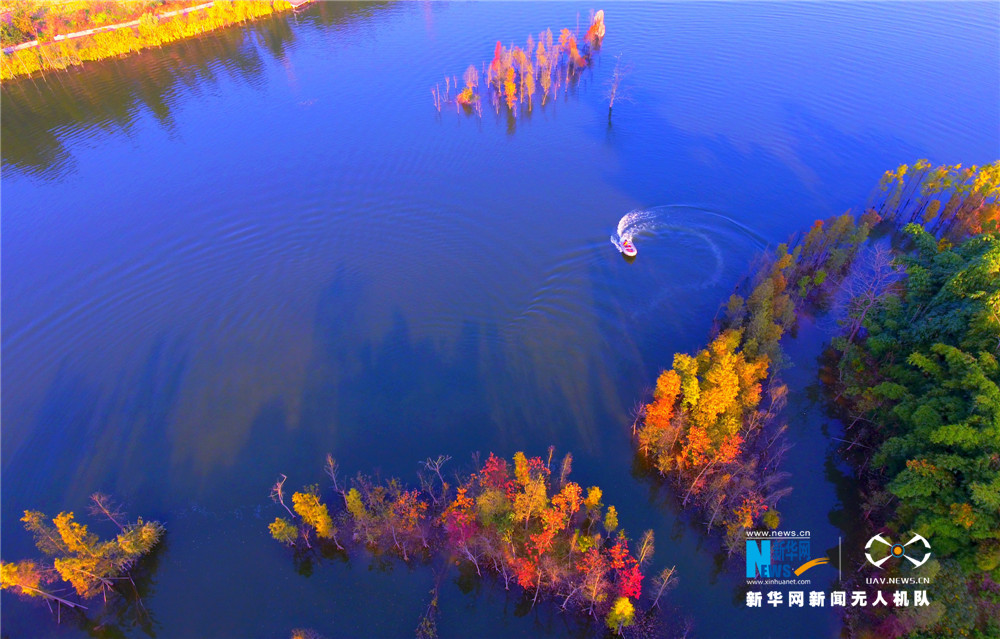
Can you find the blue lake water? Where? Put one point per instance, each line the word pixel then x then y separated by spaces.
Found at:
pixel 225 257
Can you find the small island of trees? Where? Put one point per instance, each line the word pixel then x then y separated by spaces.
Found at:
pixel 514 76
pixel 712 424
pixel 521 521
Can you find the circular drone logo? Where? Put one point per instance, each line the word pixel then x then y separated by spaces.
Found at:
pixel 898 550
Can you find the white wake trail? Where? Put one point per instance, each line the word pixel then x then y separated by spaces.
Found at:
pixel 633 223
pixel 665 222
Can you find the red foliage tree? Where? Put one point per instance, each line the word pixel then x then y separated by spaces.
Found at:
pixel 525 571
pixel 495 64
pixel 460 518
pixel 496 475
pixel 730 449
pixel 626 567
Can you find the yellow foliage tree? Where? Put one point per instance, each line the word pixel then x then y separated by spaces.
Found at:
pixel 76 536
pixel 355 505
pixel 593 500
pixel 284 531
pixel 687 369
pixel 89 564
pixel 314 513
pixel 611 519
pixel 532 501
pixel 521 468
pixel 510 88
pixel 622 614
pixel 23 577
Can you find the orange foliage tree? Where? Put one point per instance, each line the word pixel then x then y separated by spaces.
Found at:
pixel 710 422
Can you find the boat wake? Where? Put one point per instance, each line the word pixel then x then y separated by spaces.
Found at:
pixel 633 223
pixel 686 225
pixel 687 251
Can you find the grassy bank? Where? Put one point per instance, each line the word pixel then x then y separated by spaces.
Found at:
pixel 25 22
pixel 149 32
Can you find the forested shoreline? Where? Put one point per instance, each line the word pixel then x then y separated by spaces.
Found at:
pixel 141 27
pixel 913 372
pixel 915 375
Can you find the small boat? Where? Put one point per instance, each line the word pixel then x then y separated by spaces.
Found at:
pixel 628 248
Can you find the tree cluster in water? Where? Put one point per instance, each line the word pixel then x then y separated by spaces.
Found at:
pixel 915 369
pixel 532 527
pixel 516 75
pixel 77 557
pixel 712 423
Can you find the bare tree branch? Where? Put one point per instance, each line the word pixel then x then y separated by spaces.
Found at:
pixel 103 505
pixel 278 495
pixel 615 89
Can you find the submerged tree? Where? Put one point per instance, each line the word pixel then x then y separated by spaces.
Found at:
pixel 313 515
pixel 595 32
pixel 468 97
pixel 90 565
pixel 515 74
pixel 615 90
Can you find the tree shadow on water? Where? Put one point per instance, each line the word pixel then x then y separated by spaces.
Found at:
pixel 387 399
pixel 86 437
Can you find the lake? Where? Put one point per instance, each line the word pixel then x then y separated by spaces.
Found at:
pixel 227 256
